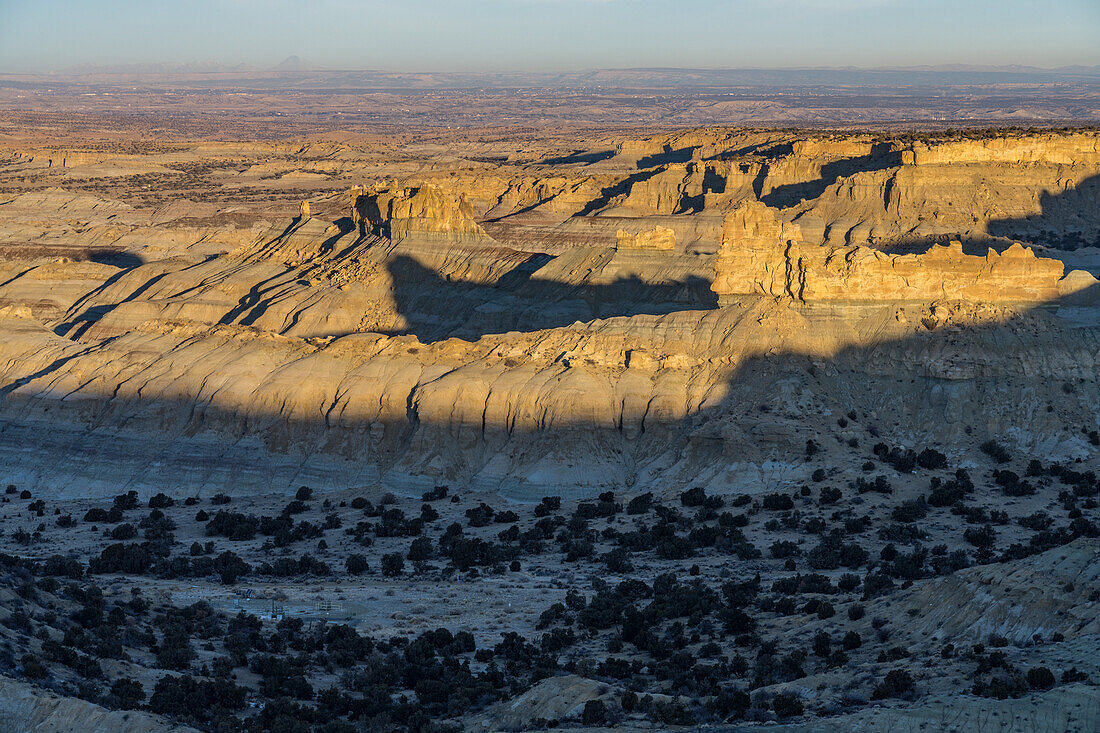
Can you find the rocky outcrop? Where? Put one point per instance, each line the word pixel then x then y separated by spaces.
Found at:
pixel 764 255
pixel 1040 188
pixel 1046 148
pixel 546 197
pixel 30 709
pixel 668 190
pixel 582 355
pixel 647 401
pixel 559 698
pixel 425 211
pixel 659 238
pixel 1039 596
pixel 753 259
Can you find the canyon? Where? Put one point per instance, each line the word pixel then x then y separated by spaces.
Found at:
pixel 790 354
pixel 609 324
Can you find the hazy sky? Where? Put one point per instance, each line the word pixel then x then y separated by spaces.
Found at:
pixel 37 35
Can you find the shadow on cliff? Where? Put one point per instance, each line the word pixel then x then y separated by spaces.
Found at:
pixel 942 386
pixel 253 304
pixel 435 308
pixel 80 318
pixel 951 382
pixel 938 382
pixel 617 189
pixel 880 158
pixel 1069 220
pixel 581 157
pixel 667 156
pixel 115 258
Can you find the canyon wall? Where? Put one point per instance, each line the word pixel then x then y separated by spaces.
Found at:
pixel 763 255
pixel 683 310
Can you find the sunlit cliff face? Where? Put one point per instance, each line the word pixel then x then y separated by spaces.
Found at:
pixel 688 308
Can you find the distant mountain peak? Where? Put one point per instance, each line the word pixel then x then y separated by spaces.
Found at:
pixel 294 63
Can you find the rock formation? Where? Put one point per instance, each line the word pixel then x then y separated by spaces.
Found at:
pixel 659 238
pixel 1067 149
pixel 580 345
pixel 24 707
pixel 845 377
pixel 763 255
pixel 403 213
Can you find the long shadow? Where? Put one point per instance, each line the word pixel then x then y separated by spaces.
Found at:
pixel 124 260
pixel 893 384
pixel 667 156
pixel 880 158
pixel 713 182
pixel 127 263
pixel 253 304
pixel 971 245
pixel 253 298
pixel 616 189
pixel 54 366
pixel 83 320
pixel 517 213
pixel 1068 221
pixel 435 308
pixel 1078 207
pixel 17 275
pixel 86 318
pixel 771 149
pixel 581 156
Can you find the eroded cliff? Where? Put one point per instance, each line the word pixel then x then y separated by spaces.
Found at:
pixel 661 313
pixel 763 255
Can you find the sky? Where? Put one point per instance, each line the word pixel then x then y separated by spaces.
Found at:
pixel 548 35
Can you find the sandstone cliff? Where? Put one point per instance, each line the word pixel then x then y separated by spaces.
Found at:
pixel 659 238
pixel 578 348
pixel 402 213
pixel 763 255
pixel 1040 188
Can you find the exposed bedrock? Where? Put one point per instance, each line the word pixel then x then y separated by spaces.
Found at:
pixel 721 398
pixel 670 313
pixel 761 254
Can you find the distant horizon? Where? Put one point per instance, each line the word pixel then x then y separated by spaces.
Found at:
pixel 548 36
pixel 218 67
pixel 296 65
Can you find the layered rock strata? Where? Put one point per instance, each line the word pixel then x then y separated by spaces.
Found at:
pixel 402 213
pixel 764 255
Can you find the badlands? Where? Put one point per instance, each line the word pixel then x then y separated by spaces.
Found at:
pixel 717 428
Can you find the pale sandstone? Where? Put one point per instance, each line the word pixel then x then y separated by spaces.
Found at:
pixel 421 211
pixel 419 350
pixel 762 254
pixel 659 238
